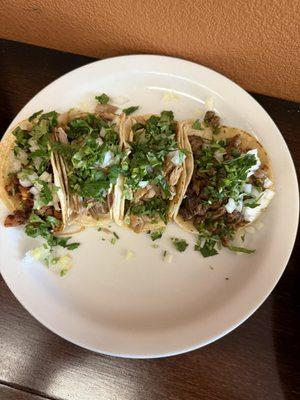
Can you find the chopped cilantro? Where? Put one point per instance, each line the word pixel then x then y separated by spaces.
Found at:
pixel 35 115
pixel 116 235
pixel 240 249
pixel 180 244
pixel 155 246
pixel 253 203
pixel 156 235
pixel 113 240
pixel 63 272
pixel 46 195
pixel 50 117
pixel 130 110
pixel 103 98
pixel 72 246
pixel 152 142
pixel 216 130
pixel 37 226
pixel 152 208
pixel 197 125
pixel 94 160
pixel 207 249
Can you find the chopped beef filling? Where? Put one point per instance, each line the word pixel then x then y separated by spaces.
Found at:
pixel 196 144
pixel 196 206
pixel 106 111
pixel 18 217
pixel 211 119
pixel 21 193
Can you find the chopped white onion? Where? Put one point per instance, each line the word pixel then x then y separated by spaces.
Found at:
pixel 247 188
pixel 33 190
pixel 27 179
pixel 108 159
pixel 99 141
pixel 102 132
pixel 177 157
pixel 143 184
pixel 255 192
pixel 256 166
pixel 33 146
pixel 46 177
pixel 251 214
pixel 267 183
pixel 219 155
pixel 230 206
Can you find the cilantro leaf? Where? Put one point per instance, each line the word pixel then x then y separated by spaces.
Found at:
pixel 197 125
pixel 240 249
pixel 94 189
pixel 45 194
pixel 153 208
pixel 179 244
pixel 51 117
pixel 102 99
pixel 72 246
pixel 207 249
pixel 130 110
pixel 35 115
pixel 156 235
pixel 36 226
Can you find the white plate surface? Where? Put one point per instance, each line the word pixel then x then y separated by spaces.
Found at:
pixel 147 307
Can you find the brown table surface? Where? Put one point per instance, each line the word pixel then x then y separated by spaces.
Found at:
pixel 258 360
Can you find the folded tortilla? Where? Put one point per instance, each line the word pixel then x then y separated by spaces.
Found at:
pixel 119 214
pixel 77 212
pixel 249 142
pixel 7 167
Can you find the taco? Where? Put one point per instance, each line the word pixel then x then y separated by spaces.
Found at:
pixel 30 181
pixel 153 172
pixel 229 183
pixel 90 158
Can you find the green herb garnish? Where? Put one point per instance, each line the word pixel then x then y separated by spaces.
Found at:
pixel 240 249
pixel 102 99
pixel 179 244
pixel 35 115
pixel 207 249
pixel 130 110
pixel 37 226
pixel 197 125
pixel 153 208
pixel 156 235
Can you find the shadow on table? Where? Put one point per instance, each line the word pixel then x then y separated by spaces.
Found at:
pixel 6 110
pixel 286 327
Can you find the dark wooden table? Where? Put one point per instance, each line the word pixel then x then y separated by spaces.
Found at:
pixel 257 361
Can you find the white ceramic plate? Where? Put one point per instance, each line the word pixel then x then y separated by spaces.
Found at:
pixel 147 307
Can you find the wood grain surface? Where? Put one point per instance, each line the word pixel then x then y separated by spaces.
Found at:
pixel 259 360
